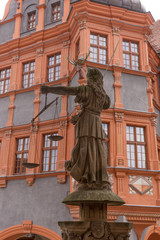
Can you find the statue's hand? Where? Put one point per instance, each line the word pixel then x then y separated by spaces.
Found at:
pixel 44 89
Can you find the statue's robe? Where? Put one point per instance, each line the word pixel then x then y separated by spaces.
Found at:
pixel 89 158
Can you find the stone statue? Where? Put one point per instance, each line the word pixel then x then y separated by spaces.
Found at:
pixel 88 162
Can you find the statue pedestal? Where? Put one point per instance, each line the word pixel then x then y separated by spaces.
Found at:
pixel 93 225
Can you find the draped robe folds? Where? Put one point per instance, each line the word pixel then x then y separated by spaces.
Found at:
pixel 89 159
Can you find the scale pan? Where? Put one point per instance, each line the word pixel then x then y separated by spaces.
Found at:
pixel 55 137
pixel 30 165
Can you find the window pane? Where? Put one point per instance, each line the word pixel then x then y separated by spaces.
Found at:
pixel 125 46
pixel 126 60
pixel 102 56
pixel 130 133
pixel 28 74
pixel 93 54
pixel 93 39
pixel 54 67
pixel 135 62
pixel 131 155
pixel 20 144
pixel 139 134
pixel 105 128
pixel 49 154
pixel 46 161
pixel 102 41
pixel 53 160
pixel 141 156
pixel 134 47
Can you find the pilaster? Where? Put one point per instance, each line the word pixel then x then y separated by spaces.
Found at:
pixel 116 45
pixel 41 12
pixel 16 76
pixel 150 94
pixel 39 66
pixel 66 10
pixel 145 55
pixel 119 123
pixel 84 37
pixel 18 18
pixel 63 112
pixel 33 152
pixel 153 163
pixel 36 101
pixel 62 152
pixel 117 86
pixel 121 184
pixel 158 189
pixel 11 108
pixel 6 149
pixel 64 59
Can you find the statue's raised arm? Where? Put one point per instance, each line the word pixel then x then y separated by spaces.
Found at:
pixel 60 90
pixel 88 162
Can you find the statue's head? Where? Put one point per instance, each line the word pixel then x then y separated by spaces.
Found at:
pixel 94 76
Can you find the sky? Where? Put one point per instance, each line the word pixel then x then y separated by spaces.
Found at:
pixel 152 6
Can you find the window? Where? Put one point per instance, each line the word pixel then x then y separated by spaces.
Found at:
pixel 105 128
pixel 54 67
pixel 4 80
pixel 98 48
pixel 130 55
pixel 31 20
pixel 21 154
pixel 28 74
pixel 49 154
pixel 136 152
pixel 55 11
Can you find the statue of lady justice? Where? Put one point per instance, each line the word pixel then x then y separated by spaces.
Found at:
pixel 88 162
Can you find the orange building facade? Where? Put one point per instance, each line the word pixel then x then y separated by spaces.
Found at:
pixel 36 40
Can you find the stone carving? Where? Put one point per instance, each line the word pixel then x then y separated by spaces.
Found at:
pixel 96 231
pixel 88 162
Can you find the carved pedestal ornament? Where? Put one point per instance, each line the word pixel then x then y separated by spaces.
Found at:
pixel 88 165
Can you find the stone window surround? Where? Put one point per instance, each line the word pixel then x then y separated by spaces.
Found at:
pixel 136 143
pixel 131 53
pixel 53 146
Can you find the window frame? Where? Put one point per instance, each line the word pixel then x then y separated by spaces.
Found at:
pixel 136 143
pixel 50 148
pixel 29 14
pixel 28 73
pixel 53 66
pixel 22 152
pixel 58 11
pixel 5 79
pixel 130 53
pixel 98 46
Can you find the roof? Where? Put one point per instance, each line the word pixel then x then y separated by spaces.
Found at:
pixel 134 5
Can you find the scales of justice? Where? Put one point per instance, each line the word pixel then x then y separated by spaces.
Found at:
pixel 88 163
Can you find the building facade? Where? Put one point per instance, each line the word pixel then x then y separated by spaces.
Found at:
pixel 36 40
